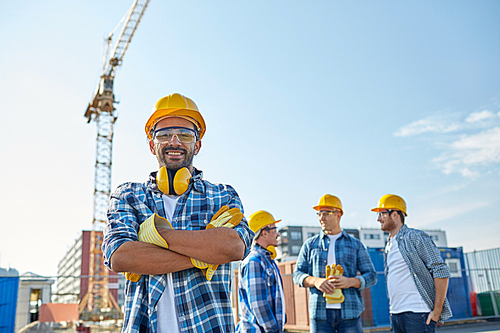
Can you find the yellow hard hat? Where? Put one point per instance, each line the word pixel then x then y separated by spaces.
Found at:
pixel 260 219
pixel 176 105
pixel 329 201
pixel 389 202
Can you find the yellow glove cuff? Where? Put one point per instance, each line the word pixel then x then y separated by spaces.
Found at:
pixel 199 264
pixel 148 231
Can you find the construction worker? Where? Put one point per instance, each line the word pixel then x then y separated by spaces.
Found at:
pixel 260 289
pixel 416 275
pixel 328 264
pixel 175 235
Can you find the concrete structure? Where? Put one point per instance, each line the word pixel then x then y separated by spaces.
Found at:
pixel 73 270
pixel 292 238
pixel 34 290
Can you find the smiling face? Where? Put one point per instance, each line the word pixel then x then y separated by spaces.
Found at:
pixel 175 154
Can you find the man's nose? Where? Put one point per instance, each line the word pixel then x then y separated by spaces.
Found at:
pixel 174 141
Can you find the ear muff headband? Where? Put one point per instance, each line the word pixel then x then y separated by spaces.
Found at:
pixel 173 182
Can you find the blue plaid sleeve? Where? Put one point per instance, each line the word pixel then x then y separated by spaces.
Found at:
pixel 303 268
pixel 368 275
pixel 254 276
pixel 126 210
pixel 243 230
pixel 430 255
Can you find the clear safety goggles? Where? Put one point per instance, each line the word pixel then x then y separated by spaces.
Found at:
pixel 327 212
pixel 183 134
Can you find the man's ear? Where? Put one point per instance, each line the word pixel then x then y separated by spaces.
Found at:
pixel 152 147
pixel 197 147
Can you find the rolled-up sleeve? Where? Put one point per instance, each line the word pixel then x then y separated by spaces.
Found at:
pixel 430 255
pixel 368 275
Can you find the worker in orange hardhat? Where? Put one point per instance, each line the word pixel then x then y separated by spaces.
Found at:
pixel 328 264
pixel 260 289
pixel 175 235
pixel 416 275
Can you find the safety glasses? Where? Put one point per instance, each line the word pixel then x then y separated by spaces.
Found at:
pixel 183 134
pixel 382 214
pixel 327 212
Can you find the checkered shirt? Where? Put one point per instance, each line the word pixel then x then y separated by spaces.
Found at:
pixel 351 254
pixel 202 306
pixel 260 299
pixel 425 263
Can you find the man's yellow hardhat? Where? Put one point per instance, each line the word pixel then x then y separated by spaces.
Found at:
pixel 390 202
pixel 329 201
pixel 260 219
pixel 176 105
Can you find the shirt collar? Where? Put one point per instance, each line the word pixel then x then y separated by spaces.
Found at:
pixel 261 250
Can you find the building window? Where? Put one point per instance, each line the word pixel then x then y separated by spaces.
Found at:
pixel 311 234
pixel 372 236
pixel 295 235
pixel 295 249
pixel 435 238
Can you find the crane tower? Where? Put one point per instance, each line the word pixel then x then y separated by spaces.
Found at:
pixel 98 301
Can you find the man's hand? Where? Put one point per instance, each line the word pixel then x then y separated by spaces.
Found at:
pixel 324 285
pixel 334 276
pixel 224 218
pixel 434 316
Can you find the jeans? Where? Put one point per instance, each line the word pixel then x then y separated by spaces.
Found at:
pixel 412 322
pixel 335 323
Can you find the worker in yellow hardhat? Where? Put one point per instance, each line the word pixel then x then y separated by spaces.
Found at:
pixel 175 235
pixel 328 264
pixel 260 289
pixel 416 274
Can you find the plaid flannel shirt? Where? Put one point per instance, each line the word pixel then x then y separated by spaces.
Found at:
pixel 260 300
pixel 202 306
pixel 351 254
pixel 425 263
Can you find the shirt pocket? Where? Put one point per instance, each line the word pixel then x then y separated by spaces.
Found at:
pixel 198 221
pixel 318 263
pixel 270 278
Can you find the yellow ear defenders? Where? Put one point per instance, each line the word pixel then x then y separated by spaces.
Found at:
pixel 173 182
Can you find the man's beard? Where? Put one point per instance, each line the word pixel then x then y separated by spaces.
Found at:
pixel 187 161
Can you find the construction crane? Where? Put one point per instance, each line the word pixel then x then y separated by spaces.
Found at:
pixel 98 303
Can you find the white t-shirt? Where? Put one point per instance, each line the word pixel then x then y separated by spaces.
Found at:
pixel 403 293
pixel 167 315
pixel 332 261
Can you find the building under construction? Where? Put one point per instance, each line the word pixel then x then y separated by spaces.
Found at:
pixel 74 273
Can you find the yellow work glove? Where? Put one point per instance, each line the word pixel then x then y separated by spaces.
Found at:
pixel 337 296
pixel 148 233
pixel 224 218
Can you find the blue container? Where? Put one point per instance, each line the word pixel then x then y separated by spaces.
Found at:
pixel 458 288
pixel 8 301
pixel 380 301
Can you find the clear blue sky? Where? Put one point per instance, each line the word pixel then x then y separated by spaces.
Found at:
pixel 352 98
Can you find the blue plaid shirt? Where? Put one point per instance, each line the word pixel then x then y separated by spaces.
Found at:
pixel 260 300
pixel 351 255
pixel 202 306
pixel 425 263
